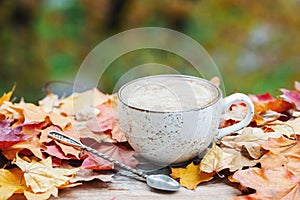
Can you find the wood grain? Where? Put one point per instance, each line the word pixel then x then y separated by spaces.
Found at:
pixel 127 188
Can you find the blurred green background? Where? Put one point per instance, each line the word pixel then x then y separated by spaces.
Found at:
pixel 255 44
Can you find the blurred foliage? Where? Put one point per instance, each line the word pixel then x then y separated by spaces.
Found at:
pixel 254 44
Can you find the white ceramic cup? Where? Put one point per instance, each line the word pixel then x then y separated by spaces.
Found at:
pixel 165 134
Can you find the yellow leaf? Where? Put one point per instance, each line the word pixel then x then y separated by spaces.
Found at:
pixel 215 160
pixel 191 176
pixel 41 196
pixel 6 97
pixel 11 181
pixel 41 176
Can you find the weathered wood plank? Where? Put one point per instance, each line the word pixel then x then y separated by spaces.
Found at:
pixel 126 188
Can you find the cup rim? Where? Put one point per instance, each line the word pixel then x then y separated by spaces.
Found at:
pixel 215 100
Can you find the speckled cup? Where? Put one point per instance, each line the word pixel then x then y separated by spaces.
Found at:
pixel 165 137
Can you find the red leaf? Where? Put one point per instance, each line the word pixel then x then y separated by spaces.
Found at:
pixel 9 136
pixel 117 152
pixel 96 163
pixel 261 97
pixel 54 150
pixel 293 96
pixel 106 120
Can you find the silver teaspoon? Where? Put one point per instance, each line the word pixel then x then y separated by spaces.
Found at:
pixel 157 181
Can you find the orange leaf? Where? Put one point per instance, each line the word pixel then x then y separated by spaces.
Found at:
pixel 11 182
pixel 191 176
pixel 7 96
pixel 282 145
pixel 270 184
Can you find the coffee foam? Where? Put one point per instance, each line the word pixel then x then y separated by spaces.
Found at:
pixel 169 94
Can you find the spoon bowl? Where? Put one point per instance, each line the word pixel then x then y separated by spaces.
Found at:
pixel 162 182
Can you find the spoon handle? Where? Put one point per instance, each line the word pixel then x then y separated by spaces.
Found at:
pixel 70 141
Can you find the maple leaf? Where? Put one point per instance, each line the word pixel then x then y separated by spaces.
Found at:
pixel 55 151
pixel 215 160
pixel 269 184
pixel 77 102
pixel 7 96
pixel 88 175
pixel 287 128
pixel 41 196
pixel 117 152
pixel 191 176
pixel 292 96
pixel 10 136
pixel 107 120
pixel 50 103
pixel 282 145
pixel 282 152
pixel 261 97
pixel 11 182
pixel 35 113
pixel 250 139
pixel 12 112
pixel 41 176
pixel 96 163
pixel 239 160
pixel 33 145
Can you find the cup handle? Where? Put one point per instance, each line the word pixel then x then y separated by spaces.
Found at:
pixel 227 102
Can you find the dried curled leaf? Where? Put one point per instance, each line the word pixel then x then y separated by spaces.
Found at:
pixel 41 176
pixel 215 160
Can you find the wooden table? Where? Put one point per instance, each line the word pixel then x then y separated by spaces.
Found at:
pixel 123 187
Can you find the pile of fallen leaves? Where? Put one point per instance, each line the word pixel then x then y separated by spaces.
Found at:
pixel 263 159
pixel 35 165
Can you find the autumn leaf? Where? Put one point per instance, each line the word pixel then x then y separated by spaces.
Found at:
pixel 11 182
pixel 12 112
pixel 239 160
pixel 282 152
pixel 41 176
pixel 269 184
pixel 282 145
pixel 50 103
pixel 117 152
pixel 262 97
pixel 287 128
pixel 9 136
pixel 55 150
pixel 88 175
pixel 33 145
pixel 215 160
pixel 96 163
pixel 7 96
pixel 191 176
pixel 107 120
pixel 41 196
pixel 249 139
pixel 78 102
pixel 292 96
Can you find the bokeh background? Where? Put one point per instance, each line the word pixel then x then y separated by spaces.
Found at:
pixel 255 44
